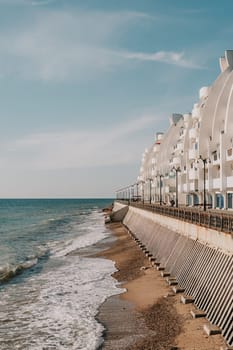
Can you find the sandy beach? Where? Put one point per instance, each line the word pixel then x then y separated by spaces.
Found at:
pixel 148 315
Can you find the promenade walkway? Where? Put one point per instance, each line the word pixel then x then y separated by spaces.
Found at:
pixel 221 220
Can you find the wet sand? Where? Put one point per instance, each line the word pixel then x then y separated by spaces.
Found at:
pixel 148 315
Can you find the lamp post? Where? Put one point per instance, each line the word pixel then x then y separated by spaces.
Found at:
pixel 205 161
pixel 119 194
pixel 176 172
pixel 142 182
pixel 137 190
pixel 160 188
pixel 150 180
pixel 132 192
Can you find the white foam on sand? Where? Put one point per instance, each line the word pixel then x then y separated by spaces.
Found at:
pixel 56 309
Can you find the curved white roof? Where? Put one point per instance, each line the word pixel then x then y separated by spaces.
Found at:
pixel 217 110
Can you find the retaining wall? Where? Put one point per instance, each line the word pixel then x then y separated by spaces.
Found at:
pixel 201 261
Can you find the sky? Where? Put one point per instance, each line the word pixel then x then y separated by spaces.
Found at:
pixel 86 84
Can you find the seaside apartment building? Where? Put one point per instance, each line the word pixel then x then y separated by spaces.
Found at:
pixel 193 159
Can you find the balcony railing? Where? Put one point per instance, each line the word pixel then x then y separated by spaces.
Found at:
pixel 229 154
pixel 193 174
pixel 193 133
pixel 193 154
pixel 210 219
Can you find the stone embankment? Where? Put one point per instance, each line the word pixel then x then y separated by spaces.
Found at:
pixel 194 261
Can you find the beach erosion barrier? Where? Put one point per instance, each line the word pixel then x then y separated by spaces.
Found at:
pixel 118 214
pixel 199 259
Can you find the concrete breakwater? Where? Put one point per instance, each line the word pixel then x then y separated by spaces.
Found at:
pixel 200 261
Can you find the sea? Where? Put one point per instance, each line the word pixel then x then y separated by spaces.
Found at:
pixel 51 286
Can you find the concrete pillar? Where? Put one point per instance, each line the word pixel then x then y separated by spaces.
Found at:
pixel 225 200
pixel 214 199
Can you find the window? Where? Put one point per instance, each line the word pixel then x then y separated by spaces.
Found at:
pixel 229 200
pixel 219 201
pixel 215 156
pixel 195 199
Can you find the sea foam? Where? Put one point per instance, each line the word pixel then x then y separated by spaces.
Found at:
pixel 56 308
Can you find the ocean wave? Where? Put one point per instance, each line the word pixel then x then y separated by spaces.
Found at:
pixel 9 271
pixel 57 308
pixel 94 232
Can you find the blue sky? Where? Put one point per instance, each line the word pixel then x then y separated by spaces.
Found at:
pixel 85 85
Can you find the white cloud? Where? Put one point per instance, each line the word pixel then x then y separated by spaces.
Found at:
pixel 119 144
pixel 57 46
pixel 169 57
pixel 63 45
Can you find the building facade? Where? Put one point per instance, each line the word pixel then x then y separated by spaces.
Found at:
pixel 192 162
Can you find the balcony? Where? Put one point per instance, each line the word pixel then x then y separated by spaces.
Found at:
pixel 170 181
pixel 170 189
pixel 215 157
pixel 193 185
pixel 182 136
pixel 178 149
pixel 193 133
pixel 193 174
pixel 156 148
pixel 229 154
pixel 193 154
pixel 175 161
pixel 180 146
pixel 216 183
pixel 230 181
pixel 215 161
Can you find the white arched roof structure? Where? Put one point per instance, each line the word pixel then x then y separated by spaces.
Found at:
pixel 217 111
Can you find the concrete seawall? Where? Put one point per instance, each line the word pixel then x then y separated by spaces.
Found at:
pixel 199 259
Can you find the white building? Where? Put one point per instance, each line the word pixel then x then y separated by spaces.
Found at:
pixel 201 140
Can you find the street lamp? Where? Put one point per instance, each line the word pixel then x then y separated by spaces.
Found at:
pixel 176 172
pixel 132 192
pixel 137 190
pixel 160 188
pixel 142 182
pixel 205 161
pixel 129 193
pixel 149 179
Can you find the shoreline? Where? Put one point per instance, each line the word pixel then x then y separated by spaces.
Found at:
pixel 147 315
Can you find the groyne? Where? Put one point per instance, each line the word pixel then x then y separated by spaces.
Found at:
pixel 197 259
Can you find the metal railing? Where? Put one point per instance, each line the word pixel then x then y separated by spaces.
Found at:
pixel 218 221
